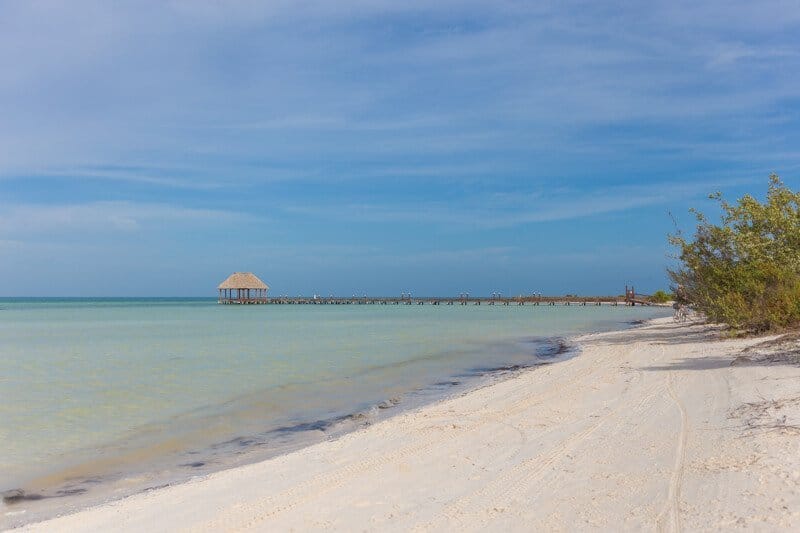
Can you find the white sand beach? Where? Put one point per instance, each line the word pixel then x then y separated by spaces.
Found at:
pixel 652 428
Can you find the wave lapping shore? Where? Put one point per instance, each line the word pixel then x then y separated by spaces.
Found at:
pixel 659 427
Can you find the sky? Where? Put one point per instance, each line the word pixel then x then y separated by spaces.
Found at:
pixel 377 147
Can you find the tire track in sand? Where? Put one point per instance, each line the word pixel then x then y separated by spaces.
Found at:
pixel 250 515
pixel 516 481
pixel 669 519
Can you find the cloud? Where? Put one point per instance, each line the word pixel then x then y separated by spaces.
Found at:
pixel 139 176
pixel 98 218
pixel 508 210
pixel 91 84
pixel 199 121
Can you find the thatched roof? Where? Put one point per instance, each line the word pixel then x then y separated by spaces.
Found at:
pixel 243 280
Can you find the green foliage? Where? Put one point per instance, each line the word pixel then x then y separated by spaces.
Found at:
pixel 745 271
pixel 660 297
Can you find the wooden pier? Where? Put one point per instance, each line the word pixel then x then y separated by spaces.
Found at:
pixel 245 288
pixel 459 300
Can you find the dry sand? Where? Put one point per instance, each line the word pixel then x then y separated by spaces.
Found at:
pixel 651 428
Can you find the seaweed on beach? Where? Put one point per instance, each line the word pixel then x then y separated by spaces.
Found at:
pixel 448 383
pixel 767 415
pixel 19 495
pixel 555 347
pixel 391 402
pixel 770 415
pixel 784 350
pixel 13 496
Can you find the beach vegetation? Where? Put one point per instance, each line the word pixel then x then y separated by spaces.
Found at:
pixel 744 271
pixel 661 297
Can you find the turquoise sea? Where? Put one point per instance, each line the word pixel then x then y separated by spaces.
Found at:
pixel 109 396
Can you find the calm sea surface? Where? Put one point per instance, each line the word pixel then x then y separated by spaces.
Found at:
pixel 110 391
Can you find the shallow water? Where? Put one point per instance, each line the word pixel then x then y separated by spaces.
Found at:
pixel 133 392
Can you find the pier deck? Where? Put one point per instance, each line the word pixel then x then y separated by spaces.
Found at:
pixel 369 300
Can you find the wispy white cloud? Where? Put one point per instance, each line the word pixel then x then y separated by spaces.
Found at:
pixel 509 210
pixel 111 175
pixel 91 83
pixel 91 219
pixel 324 123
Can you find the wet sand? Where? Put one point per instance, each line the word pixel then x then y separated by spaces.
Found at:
pixel 661 427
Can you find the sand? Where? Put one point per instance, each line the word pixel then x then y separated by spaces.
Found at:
pixel 652 428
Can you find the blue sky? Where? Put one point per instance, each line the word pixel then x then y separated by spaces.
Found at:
pixel 151 148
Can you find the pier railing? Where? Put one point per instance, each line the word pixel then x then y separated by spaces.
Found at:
pixel 242 300
pixel 429 300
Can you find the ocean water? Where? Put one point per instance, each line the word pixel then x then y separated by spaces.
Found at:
pixel 101 398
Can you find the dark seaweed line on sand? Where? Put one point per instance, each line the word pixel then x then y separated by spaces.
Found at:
pixel 547 350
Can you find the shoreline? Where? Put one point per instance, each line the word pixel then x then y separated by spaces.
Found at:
pixel 168 385
pixel 453 458
pixel 247 450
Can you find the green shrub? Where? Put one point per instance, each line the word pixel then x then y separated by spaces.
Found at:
pixel 745 271
pixel 660 297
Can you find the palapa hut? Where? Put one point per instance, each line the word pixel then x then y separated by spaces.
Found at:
pixel 243 288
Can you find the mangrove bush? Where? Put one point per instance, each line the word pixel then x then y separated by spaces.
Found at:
pixel 745 270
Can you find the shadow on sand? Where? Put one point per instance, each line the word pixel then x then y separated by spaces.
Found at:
pixel 665 335
pixel 696 363
pixel 743 359
pixel 776 351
